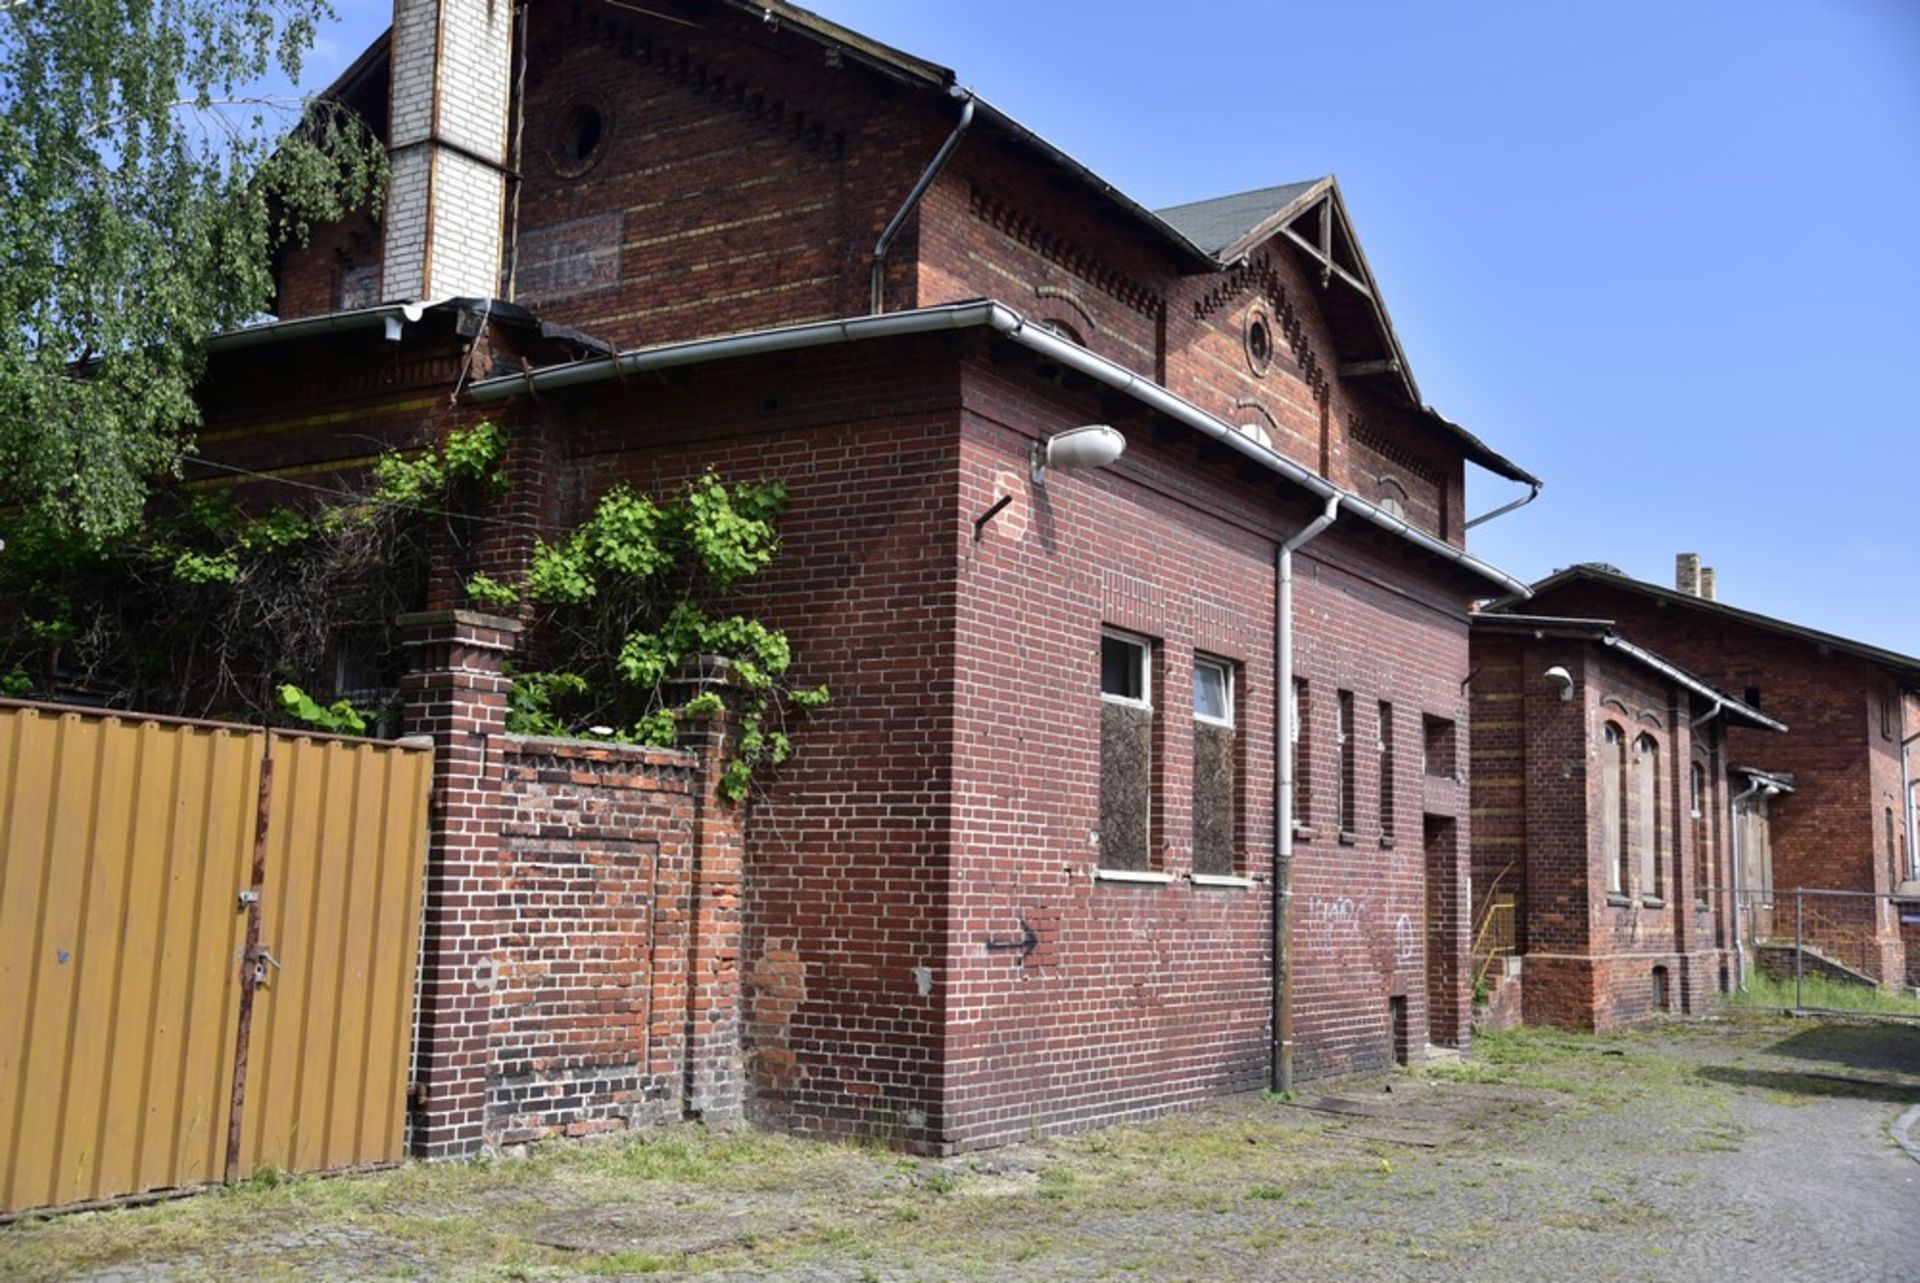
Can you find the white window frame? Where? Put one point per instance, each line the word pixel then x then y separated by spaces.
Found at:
pixel 1145 646
pixel 1225 669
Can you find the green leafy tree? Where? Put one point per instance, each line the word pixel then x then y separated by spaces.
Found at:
pixel 144 188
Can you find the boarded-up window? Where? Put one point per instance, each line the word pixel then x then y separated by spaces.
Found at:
pixel 1343 737
pixel 1386 769
pixel 1126 752
pixel 1646 823
pixel 1300 727
pixel 1215 777
pixel 1613 769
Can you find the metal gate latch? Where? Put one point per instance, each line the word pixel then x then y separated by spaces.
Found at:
pixel 262 956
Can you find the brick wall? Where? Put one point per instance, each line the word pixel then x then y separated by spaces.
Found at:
pixel 1830 832
pixel 741 180
pixel 580 966
pixel 445 195
pixel 1591 952
pixel 1073 999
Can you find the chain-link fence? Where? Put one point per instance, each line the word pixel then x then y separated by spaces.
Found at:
pixel 1819 950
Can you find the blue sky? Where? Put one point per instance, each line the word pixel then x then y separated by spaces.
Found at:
pixel 1661 254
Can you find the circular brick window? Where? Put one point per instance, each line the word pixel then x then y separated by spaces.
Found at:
pixel 580 135
pixel 1259 341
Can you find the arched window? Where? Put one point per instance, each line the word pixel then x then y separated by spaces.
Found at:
pixel 1646 816
pixel 1390 496
pixel 1613 770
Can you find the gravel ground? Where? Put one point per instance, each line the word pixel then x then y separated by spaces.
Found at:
pixel 1753 1147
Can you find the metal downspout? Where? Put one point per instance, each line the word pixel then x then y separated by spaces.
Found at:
pixel 878 289
pixel 1533 493
pixel 1283 793
pixel 1739 906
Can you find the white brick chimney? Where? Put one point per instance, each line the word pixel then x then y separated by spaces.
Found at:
pixel 452 68
pixel 1686 573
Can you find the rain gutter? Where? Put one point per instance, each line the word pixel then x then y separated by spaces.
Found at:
pixel 1010 325
pixel 332 322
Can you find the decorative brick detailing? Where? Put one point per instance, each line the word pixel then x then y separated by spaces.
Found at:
pixel 1260 272
pixel 693 73
pixel 1018 226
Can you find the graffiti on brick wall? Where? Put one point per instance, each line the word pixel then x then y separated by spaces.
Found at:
pixel 1330 917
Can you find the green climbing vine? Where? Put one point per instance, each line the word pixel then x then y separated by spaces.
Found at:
pixel 628 604
pixel 209 608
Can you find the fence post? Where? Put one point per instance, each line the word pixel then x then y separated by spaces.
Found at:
pixel 455 693
pixel 1799 945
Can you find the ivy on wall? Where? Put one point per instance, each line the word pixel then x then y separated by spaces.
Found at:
pixel 209 609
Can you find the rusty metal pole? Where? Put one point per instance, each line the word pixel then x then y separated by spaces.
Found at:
pixel 249 961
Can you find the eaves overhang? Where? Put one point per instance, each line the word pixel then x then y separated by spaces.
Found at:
pixel 1605 633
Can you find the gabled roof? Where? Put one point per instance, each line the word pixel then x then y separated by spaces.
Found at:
pixel 1227 225
pixel 1202 237
pixel 1604 632
pixel 1905 667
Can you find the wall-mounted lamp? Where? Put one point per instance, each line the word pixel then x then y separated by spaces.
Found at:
pixel 1563 679
pixel 1094 446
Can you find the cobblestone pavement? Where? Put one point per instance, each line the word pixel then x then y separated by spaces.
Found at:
pixel 1752 1148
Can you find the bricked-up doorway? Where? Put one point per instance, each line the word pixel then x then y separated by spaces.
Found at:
pixel 1445 905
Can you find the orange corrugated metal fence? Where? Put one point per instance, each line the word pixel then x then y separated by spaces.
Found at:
pixel 127 949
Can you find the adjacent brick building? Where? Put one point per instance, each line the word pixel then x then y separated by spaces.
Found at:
pixel 1602 819
pixel 1031 870
pixel 1854 709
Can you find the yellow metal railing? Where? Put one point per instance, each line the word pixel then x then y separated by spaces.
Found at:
pixel 1495 936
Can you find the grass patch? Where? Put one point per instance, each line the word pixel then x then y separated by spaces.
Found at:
pixel 1822 991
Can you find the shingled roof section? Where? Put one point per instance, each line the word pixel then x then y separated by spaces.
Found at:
pixel 1216 225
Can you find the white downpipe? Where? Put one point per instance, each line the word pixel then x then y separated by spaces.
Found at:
pixel 1283 793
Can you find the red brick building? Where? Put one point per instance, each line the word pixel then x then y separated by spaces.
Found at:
pixel 1039 865
pixel 1602 819
pixel 1854 710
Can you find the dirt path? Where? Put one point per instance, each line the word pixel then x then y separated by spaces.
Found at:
pixel 1755 1148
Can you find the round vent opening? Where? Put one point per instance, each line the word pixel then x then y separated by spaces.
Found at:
pixel 1259 342
pixel 580 137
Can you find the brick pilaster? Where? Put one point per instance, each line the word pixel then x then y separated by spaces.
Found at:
pixel 713 1012
pixel 455 693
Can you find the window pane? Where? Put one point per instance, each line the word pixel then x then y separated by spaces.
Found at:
pixel 1121 668
pixel 1210 695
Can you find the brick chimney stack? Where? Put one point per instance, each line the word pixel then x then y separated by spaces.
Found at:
pixel 452 70
pixel 1708 587
pixel 1686 573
